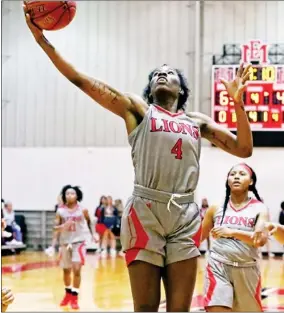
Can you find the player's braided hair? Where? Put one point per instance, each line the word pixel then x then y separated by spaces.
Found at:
pixel 77 190
pixel 252 188
pixel 183 96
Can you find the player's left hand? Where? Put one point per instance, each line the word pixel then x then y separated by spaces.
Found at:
pixel 7 296
pixel 220 231
pixel 236 87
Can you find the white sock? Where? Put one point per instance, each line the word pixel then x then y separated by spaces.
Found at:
pixel 76 290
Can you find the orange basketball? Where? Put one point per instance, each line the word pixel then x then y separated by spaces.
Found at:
pixel 51 15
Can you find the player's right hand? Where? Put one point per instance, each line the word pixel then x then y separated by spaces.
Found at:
pixel 36 31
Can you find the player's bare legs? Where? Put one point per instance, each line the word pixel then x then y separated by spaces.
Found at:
pixel 105 243
pixel 145 280
pixel 68 286
pixel 76 275
pixel 76 269
pixel 67 276
pixel 179 280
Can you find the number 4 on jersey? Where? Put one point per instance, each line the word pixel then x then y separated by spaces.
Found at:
pixel 177 149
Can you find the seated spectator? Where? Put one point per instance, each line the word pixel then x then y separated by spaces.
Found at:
pixel 11 225
pixel 5 236
pixel 108 217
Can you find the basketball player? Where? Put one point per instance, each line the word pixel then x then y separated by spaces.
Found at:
pixel 71 221
pixel 7 298
pixel 160 228
pixel 233 276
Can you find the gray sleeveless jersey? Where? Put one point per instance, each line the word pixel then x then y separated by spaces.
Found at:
pixel 77 232
pixel 232 250
pixel 166 151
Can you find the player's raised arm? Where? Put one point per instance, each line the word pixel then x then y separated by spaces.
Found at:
pixel 241 144
pixel 106 96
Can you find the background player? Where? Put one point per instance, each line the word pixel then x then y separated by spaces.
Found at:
pixel 71 221
pixel 233 275
pixel 165 149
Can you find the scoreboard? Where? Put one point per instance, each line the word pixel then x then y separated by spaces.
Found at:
pixel 263 97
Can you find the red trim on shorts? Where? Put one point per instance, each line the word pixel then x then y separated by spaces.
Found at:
pixel 81 254
pixel 197 237
pixel 252 201
pixel 141 237
pixel 167 112
pixel 212 285
pixel 130 230
pixel 258 294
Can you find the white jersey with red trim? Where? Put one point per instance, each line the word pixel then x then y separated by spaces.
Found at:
pixel 229 250
pixel 76 232
pixel 166 151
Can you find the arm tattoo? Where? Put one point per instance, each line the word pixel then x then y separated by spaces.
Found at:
pixel 212 135
pixel 102 90
pixel 223 142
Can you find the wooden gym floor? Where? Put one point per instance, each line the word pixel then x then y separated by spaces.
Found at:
pixel 36 281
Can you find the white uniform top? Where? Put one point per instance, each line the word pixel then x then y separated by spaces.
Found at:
pixel 165 151
pixel 229 250
pixel 77 232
